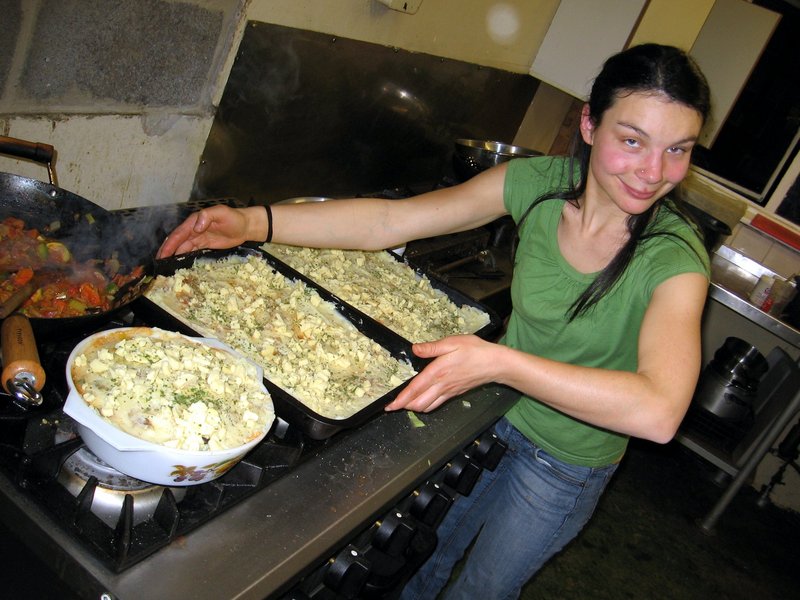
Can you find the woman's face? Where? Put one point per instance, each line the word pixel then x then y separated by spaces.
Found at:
pixel 640 149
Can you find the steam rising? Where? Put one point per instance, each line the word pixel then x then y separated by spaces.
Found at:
pixel 91 233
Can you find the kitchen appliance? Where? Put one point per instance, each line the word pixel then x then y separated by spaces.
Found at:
pixel 352 512
pixel 347 516
pixel 333 116
pixel 728 385
pixel 43 454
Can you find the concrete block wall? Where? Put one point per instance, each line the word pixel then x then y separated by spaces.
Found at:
pixel 125 91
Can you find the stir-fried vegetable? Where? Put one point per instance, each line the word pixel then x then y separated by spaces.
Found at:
pixel 69 288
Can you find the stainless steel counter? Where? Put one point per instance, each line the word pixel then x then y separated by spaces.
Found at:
pixel 733 277
pixel 775 326
pixel 259 547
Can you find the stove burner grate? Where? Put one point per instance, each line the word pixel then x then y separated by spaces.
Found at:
pixel 110 488
pixel 123 526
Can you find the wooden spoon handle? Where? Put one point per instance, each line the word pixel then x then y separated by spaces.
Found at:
pixel 18 297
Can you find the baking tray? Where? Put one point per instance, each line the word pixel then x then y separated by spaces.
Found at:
pixel 457 297
pixel 287 407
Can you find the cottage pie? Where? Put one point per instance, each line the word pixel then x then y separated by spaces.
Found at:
pixel 385 289
pixel 173 391
pixel 303 344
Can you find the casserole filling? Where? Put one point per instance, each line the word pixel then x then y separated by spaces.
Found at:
pixel 385 289
pixel 174 392
pixel 303 344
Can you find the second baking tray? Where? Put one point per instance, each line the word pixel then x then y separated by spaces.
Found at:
pixel 289 408
pixel 455 296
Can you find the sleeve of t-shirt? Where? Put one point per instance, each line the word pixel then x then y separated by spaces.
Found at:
pixel 528 178
pixel 672 257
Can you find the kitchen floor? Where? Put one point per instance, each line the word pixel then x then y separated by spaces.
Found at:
pixel 644 541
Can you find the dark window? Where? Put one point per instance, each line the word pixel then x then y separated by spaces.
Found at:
pixel 759 139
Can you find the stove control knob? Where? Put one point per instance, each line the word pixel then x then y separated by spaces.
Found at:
pixel 430 503
pixel 462 474
pixel 487 450
pixel 422 545
pixel 384 571
pixel 347 573
pixel 394 533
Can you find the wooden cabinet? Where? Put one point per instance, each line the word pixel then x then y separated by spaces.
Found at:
pixel 673 22
pixel 726 37
pixel 582 35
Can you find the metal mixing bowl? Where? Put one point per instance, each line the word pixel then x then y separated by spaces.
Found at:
pixel 473 156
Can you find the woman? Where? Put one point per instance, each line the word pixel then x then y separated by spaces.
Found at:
pixel 604 338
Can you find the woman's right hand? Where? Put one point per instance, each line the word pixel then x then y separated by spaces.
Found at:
pixel 217 227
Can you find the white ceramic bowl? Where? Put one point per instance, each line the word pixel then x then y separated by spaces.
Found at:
pixel 139 458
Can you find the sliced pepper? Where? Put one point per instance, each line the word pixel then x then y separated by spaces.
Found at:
pixel 90 295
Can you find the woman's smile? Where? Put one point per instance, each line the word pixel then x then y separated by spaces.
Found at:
pixel 638 193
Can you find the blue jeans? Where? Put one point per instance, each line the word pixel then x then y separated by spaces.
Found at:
pixel 526 510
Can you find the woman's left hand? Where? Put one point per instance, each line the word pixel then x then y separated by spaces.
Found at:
pixel 462 362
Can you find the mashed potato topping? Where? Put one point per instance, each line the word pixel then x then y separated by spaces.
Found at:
pixel 173 391
pixel 303 344
pixel 385 289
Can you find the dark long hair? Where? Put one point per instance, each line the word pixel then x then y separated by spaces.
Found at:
pixel 647 68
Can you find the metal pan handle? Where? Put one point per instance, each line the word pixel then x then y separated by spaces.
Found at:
pixel 35 151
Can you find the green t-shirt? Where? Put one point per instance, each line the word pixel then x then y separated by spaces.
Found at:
pixel 544 287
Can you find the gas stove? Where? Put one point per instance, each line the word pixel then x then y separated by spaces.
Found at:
pixel 120 519
pixel 354 512
pixel 295 514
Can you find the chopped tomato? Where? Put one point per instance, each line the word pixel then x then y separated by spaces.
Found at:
pixel 89 294
pixel 23 276
pixel 14 222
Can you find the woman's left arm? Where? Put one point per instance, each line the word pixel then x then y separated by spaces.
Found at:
pixel 649 403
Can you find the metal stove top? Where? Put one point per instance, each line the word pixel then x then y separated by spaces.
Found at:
pixel 119 519
pixel 259 547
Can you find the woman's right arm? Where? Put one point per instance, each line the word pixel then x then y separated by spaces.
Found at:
pixel 357 223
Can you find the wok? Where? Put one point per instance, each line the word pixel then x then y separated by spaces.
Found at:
pixel 474 156
pixel 91 232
